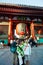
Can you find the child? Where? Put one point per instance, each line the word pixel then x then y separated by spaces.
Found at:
pixel 13 49
pixel 20 52
pixel 27 52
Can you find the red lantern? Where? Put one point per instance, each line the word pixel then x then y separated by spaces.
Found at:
pixel 21 28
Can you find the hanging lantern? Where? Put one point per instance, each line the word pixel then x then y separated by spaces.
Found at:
pixel 21 28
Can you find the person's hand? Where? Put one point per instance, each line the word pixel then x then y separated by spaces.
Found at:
pixel 16 44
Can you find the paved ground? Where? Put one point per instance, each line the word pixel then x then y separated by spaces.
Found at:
pixel 6 56
pixel 37 56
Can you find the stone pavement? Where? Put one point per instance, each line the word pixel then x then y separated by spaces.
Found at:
pixel 37 56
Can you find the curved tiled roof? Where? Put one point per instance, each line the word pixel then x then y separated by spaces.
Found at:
pixel 16 9
pixel 21 6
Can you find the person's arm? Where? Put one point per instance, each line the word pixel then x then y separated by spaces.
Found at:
pixel 11 41
pixel 9 44
pixel 29 40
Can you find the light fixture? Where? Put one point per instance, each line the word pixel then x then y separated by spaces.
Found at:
pixel 28 19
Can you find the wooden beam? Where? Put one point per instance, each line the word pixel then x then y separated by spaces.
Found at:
pixel 38 24
pixel 32 30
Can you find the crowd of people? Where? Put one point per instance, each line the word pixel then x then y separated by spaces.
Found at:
pixel 21 49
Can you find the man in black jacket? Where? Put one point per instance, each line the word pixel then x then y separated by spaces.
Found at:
pixel 33 42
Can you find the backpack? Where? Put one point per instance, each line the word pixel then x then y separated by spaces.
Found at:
pixel 13 47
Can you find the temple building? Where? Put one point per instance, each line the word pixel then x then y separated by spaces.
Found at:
pixel 10 15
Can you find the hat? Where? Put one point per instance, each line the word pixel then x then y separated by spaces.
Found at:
pixel 11 41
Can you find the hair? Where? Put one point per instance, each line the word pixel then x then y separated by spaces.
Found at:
pixel 2 41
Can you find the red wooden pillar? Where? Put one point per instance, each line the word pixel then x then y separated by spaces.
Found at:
pixel 32 30
pixel 10 34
